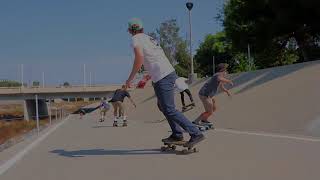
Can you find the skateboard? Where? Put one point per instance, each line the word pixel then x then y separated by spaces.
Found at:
pixel 123 122
pixel 188 107
pixel 205 126
pixel 171 146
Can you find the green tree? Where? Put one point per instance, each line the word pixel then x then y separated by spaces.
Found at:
pixel 269 25
pixel 183 58
pixel 169 38
pixel 9 83
pixel 217 46
pixel 174 46
pixel 66 84
pixel 36 84
pixel 241 63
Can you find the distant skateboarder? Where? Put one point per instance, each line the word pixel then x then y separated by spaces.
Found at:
pixel 208 91
pixel 104 108
pixel 149 53
pixel 82 112
pixel 182 88
pixel 118 105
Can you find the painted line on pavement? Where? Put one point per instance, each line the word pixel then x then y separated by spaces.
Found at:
pixel 269 135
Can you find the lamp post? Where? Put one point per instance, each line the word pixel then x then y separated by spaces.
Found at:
pixel 21 75
pixel 84 75
pixel 192 76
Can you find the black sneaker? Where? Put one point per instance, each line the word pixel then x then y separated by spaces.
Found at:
pixel 196 122
pixel 206 123
pixel 172 139
pixel 194 140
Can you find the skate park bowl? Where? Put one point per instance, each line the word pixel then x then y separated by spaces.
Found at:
pixel 268 129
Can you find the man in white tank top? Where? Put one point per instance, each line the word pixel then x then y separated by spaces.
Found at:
pixel 149 53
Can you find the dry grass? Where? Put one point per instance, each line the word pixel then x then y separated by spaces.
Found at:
pixel 12 129
pixel 11 109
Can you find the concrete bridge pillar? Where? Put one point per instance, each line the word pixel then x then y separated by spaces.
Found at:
pixel 30 109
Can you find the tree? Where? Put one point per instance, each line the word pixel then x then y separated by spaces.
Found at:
pixel 217 46
pixel 173 45
pixel 183 58
pixel 36 84
pixel 169 39
pixel 66 84
pixel 269 25
pixel 9 83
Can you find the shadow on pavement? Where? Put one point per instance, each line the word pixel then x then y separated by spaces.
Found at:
pixel 86 110
pixel 104 152
pixel 103 126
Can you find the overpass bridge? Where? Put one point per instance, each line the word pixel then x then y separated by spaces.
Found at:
pixel 35 97
pixel 24 93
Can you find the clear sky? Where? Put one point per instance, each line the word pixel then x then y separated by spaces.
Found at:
pixel 59 36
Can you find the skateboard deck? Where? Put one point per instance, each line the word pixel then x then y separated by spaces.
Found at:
pixel 172 146
pixel 204 127
pixel 188 108
pixel 120 124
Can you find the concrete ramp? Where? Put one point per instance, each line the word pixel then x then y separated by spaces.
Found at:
pixel 266 131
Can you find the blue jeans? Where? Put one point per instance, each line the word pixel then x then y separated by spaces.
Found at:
pixel 164 90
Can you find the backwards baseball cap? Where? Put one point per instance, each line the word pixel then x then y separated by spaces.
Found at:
pixel 135 24
pixel 222 67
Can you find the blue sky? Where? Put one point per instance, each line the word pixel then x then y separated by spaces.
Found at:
pixel 59 36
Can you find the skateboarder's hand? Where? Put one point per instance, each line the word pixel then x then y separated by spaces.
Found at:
pixel 128 84
pixel 231 83
pixel 228 93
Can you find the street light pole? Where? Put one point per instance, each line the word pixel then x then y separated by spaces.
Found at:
pixel 213 66
pixel 90 78
pixel 21 75
pixel 43 79
pixel 192 74
pixel 84 75
pixel 249 57
pixel 190 42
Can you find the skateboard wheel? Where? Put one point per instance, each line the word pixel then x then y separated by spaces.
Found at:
pixel 163 148
pixel 174 147
pixel 202 128
pixel 195 150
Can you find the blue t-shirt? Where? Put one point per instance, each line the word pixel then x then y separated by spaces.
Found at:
pixel 210 88
pixel 119 95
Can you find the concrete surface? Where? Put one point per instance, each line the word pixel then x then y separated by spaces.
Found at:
pixel 263 133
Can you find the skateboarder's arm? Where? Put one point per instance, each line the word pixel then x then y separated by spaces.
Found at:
pixel 134 104
pixel 138 61
pixel 225 80
pixel 225 89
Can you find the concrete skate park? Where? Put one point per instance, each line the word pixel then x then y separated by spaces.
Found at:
pixel 269 129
